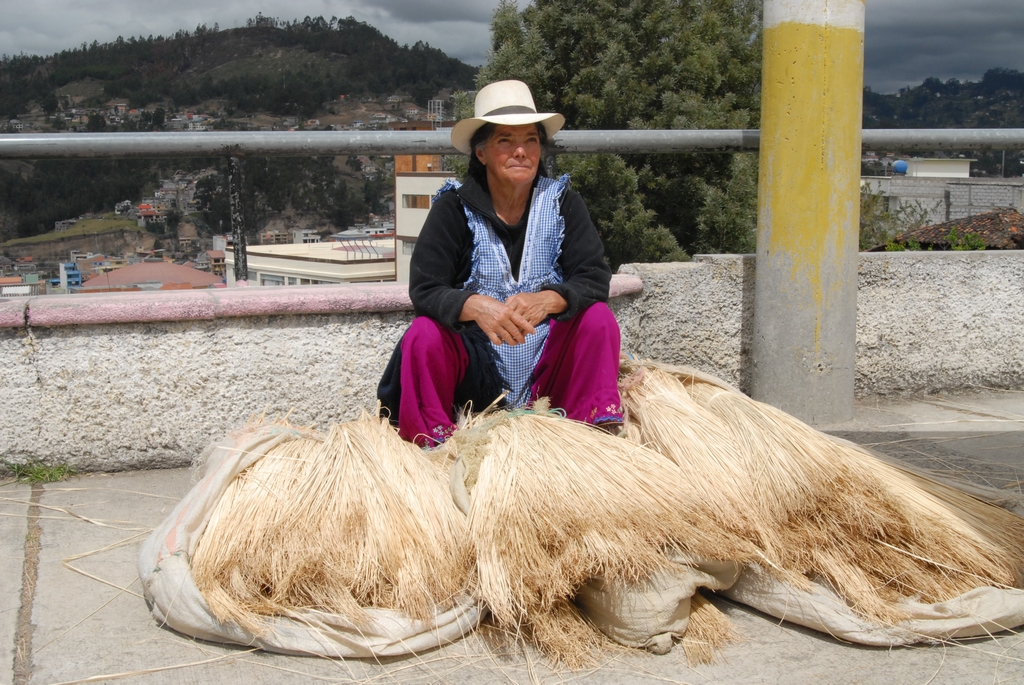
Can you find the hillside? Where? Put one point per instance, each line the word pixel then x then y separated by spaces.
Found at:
pixel 268 66
pixel 93 226
pixel 269 74
pixel 56 248
pixel 996 101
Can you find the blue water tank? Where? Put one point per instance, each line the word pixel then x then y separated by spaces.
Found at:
pixel 899 167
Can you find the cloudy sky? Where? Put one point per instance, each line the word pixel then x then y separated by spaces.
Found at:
pixel 906 40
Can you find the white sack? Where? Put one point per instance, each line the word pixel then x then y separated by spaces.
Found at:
pixel 652 613
pixel 982 611
pixel 648 614
pixel 164 567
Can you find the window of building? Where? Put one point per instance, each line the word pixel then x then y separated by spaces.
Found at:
pixel 293 281
pixel 271 280
pixel 416 201
pixel 407 248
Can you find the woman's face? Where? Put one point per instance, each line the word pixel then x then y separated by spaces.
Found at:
pixel 511 156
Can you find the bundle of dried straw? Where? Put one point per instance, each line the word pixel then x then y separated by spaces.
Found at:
pixel 831 510
pixel 556 503
pixel 356 520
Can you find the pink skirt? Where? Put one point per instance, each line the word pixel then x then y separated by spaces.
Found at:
pixel 578 370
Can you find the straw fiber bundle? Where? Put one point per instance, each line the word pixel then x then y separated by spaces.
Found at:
pixel 709 629
pixel 356 520
pixel 697 441
pixel 876 533
pixel 555 503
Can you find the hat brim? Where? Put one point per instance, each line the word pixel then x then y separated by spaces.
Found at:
pixel 463 131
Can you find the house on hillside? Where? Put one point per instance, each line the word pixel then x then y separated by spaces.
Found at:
pixel 305 236
pixel 95 264
pixel 414 112
pixel 211 261
pixel 146 275
pixel 27 285
pixel 147 212
pixel 999 230
pixel 273 236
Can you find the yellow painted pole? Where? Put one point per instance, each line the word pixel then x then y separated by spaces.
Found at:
pixel 805 291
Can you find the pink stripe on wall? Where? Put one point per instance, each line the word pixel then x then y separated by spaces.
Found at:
pixel 187 305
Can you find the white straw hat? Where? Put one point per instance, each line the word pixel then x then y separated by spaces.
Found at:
pixel 503 102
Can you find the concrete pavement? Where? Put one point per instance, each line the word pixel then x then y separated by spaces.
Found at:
pixel 84 617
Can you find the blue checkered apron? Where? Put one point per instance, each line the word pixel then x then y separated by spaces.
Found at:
pixel 492 276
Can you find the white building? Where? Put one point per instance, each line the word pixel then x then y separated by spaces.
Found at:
pixel 923 167
pixel 413 194
pixel 304 236
pixel 317 263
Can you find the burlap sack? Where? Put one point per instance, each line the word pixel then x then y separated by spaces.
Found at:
pixel 164 567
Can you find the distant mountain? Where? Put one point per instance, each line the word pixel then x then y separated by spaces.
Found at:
pixel 997 101
pixel 283 68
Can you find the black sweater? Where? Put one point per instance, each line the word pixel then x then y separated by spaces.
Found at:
pixel 442 260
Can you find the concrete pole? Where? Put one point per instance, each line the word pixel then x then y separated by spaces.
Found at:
pixel 808 200
pixel 238 229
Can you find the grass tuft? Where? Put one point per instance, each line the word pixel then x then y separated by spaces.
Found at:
pixel 36 471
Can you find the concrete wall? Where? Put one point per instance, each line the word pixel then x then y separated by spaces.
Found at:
pixel 930 194
pixel 969 198
pixel 945 199
pixel 698 313
pixel 107 382
pixel 109 397
pixel 926 321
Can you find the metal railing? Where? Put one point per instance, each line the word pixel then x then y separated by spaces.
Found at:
pixel 236 145
pixel 332 143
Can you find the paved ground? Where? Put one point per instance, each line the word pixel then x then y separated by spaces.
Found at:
pixel 83 617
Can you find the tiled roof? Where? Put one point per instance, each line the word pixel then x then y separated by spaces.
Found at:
pixel 148 272
pixel 1001 230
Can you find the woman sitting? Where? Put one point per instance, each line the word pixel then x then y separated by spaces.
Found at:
pixel 509 285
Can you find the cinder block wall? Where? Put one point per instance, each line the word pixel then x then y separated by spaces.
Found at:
pixel 970 198
pixel 153 393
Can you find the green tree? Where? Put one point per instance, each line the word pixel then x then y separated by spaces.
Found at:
pixel 627 228
pixel 212 199
pixel 152 121
pixel 968 240
pixel 880 224
pixel 375 192
pixel 49 103
pixel 347 206
pixel 96 122
pixel 172 219
pixel 621 64
pixel 728 220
